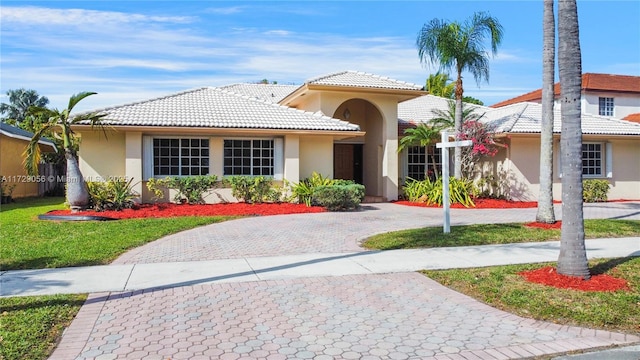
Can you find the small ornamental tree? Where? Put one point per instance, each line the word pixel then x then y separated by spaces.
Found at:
pixel 483 145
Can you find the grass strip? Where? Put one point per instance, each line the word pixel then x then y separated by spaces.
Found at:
pixel 487 234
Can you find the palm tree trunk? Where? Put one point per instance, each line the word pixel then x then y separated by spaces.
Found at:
pixel 545 199
pixel 572 260
pixel 77 192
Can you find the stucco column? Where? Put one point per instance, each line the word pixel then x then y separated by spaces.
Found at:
pixel 133 161
pixel 390 155
pixel 292 158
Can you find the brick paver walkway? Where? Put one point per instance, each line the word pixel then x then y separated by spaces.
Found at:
pixel 379 316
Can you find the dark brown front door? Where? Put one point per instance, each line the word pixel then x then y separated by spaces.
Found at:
pixel 347 162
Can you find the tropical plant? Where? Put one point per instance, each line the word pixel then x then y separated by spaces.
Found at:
pixel 188 189
pixel 422 135
pixel 439 84
pixel 460 47
pixel 253 189
pixel 339 197
pixel 572 260
pixel 545 213
pixel 61 120
pixel 20 101
pixel 304 190
pixel 430 191
pixel 115 194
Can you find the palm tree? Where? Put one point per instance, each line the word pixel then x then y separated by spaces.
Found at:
pixel 572 260
pixel 439 84
pixel 460 46
pixel 545 212
pixel 77 192
pixel 20 101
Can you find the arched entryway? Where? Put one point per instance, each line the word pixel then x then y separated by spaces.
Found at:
pixel 360 159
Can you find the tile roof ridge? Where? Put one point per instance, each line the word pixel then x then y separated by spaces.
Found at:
pixel 138 102
pixel 322 77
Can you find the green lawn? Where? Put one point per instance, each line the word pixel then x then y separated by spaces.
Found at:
pixel 29 243
pixel 32 325
pixel 503 288
pixel 494 234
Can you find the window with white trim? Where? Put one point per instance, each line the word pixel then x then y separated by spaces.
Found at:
pixel 420 161
pixel 592 159
pixel 180 156
pixel 605 107
pixel 249 157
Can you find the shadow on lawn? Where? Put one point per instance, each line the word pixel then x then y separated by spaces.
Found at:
pixel 610 264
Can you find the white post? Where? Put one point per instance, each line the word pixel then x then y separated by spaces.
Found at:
pixel 444 144
pixel 446 227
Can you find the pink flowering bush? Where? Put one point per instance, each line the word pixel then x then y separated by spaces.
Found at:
pixel 483 145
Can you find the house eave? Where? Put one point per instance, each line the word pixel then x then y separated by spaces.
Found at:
pixel 400 94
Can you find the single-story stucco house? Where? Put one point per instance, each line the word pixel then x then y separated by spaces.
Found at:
pixel 343 125
pixel 13 142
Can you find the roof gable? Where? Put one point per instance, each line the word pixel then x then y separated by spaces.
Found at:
pixel 361 80
pixel 218 108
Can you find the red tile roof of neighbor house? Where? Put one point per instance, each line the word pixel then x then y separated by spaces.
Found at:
pixel 632 117
pixel 590 81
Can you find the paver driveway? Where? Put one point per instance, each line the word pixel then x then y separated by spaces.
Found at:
pixel 378 316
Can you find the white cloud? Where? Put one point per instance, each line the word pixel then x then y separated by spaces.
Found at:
pixel 225 10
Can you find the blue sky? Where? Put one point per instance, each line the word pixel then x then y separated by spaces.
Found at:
pixel 134 50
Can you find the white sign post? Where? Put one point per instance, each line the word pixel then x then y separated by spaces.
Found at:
pixel 445 145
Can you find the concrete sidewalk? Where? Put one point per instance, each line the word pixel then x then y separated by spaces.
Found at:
pixel 132 277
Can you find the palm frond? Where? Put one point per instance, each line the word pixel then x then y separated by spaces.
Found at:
pixel 75 99
pixel 32 153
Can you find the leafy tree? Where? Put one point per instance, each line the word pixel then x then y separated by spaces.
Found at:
pixel 545 212
pixel 423 135
pixel 439 84
pixel 460 47
pixel 572 260
pixel 61 120
pixel 472 100
pixel 20 101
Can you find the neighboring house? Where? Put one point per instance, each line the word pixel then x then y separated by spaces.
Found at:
pixel 13 142
pixel 344 125
pixel 602 94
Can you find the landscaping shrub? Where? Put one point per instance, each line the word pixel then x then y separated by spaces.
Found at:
pixel 189 188
pixel 427 191
pixel 6 190
pixel 115 194
pixel 304 190
pixel 254 189
pixel 339 197
pixel 595 190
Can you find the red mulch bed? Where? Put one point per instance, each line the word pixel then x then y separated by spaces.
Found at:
pixel 548 276
pixel 539 225
pixel 480 204
pixel 173 210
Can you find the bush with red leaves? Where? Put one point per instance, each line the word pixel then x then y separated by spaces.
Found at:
pixel 550 277
pixel 173 210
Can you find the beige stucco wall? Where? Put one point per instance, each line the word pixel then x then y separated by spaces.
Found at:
pixel 316 154
pixel 524 167
pixel 12 168
pixel 102 157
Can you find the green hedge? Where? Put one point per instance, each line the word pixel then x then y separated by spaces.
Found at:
pixel 594 190
pixel 339 197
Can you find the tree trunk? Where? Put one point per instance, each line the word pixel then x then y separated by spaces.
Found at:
pixel 77 192
pixel 545 199
pixel 572 260
pixel 457 169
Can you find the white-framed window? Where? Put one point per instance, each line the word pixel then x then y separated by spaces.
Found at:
pixel 180 156
pixel 249 157
pixel 592 159
pixel 420 162
pixel 605 107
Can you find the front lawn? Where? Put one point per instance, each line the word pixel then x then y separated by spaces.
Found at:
pixel 503 288
pixel 485 234
pixel 29 243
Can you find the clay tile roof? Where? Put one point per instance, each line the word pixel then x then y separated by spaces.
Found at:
pixel 590 81
pixel 362 79
pixel 632 117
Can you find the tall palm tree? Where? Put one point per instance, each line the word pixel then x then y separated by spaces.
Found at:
pixel 572 260
pixel 545 212
pixel 20 101
pixel 439 84
pixel 461 47
pixel 77 192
